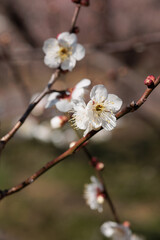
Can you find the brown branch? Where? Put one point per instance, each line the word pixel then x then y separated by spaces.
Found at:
pixel 4 140
pixel 75 16
pixel 131 108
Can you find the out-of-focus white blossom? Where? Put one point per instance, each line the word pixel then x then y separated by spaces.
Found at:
pixel 32 129
pixel 93 194
pixel 99 112
pixel 63 102
pixel 117 231
pixel 58 121
pixel 63 51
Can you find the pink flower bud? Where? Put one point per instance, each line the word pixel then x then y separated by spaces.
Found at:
pixel 126 224
pixel 85 3
pixel 100 166
pixel 58 121
pixel 149 81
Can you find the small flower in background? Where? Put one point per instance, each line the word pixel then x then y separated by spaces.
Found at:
pixel 58 121
pixel 94 195
pixel 63 52
pixel 99 112
pixel 63 102
pixel 117 231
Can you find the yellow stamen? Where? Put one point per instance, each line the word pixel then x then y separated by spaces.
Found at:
pixel 64 53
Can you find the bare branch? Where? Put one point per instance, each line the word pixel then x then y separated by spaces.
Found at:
pixel 131 108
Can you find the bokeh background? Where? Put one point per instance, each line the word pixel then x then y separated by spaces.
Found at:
pixel 122 40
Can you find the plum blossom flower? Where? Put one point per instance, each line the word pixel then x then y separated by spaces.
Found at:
pixel 99 112
pixel 63 52
pixel 94 194
pixel 63 102
pixel 117 231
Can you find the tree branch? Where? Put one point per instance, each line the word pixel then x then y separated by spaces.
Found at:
pixel 131 108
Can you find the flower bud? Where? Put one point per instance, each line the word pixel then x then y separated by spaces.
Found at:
pixel 126 224
pixel 76 29
pixel 100 198
pixel 58 121
pixel 85 3
pixel 72 144
pixel 100 166
pixel 149 81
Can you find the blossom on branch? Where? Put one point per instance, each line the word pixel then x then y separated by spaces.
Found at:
pixel 99 112
pixel 117 231
pixel 63 51
pixel 94 194
pixel 63 101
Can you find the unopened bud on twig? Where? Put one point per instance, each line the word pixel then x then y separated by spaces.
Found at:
pixel 72 144
pixel 149 81
pixel 76 29
pixel 100 198
pixel 58 121
pixel 126 224
pixel 85 3
pixel 100 166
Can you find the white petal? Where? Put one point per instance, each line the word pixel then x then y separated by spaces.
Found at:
pixel 78 52
pixel 78 93
pixel 113 103
pixel 109 121
pixel 52 60
pixel 88 129
pixel 78 104
pixel 50 44
pixel 69 38
pixel 98 93
pixel 83 83
pixel 56 122
pixel 95 120
pixel 52 99
pixel 64 105
pixel 107 228
pixel 68 64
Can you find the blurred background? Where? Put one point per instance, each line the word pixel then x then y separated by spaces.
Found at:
pixel 122 41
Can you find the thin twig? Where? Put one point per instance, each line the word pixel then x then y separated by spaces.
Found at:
pixel 4 140
pixel 131 108
pixel 75 16
pixel 31 106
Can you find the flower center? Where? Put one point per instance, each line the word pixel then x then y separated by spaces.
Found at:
pixel 99 108
pixel 64 53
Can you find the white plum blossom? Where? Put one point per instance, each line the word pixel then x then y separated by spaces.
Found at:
pixel 64 102
pixel 94 194
pixel 63 51
pixel 99 112
pixel 116 231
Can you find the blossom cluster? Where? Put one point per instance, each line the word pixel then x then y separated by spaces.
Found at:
pixel 100 112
